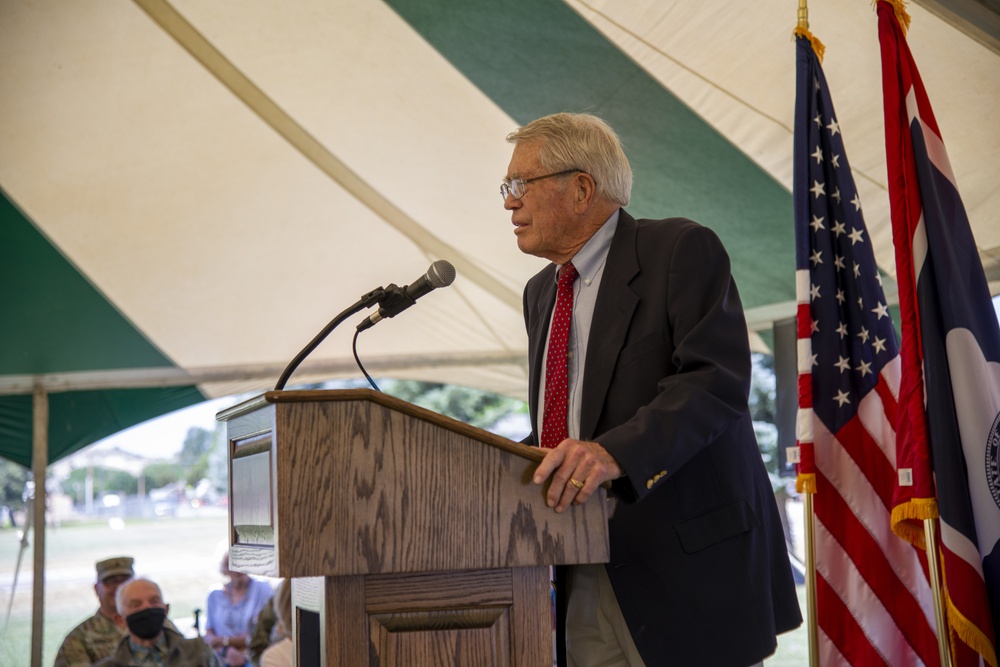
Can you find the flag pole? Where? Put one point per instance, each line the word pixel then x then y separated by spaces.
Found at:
pixel 810 544
pixel 809 520
pixel 930 539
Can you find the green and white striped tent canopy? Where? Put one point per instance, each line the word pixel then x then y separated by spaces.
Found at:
pixel 191 190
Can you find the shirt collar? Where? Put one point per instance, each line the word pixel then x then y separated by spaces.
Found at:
pixel 593 253
pixel 159 646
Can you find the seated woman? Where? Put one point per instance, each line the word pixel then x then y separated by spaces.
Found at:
pixel 231 613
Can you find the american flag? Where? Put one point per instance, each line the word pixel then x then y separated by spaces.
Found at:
pixel 951 360
pixel 874 603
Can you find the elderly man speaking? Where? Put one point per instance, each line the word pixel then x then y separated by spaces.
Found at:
pixel 639 375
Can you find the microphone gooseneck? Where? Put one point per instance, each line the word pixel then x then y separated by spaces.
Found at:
pixel 391 300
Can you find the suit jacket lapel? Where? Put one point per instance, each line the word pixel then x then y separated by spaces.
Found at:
pixel 616 302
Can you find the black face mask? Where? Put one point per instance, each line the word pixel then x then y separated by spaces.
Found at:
pixel 147 623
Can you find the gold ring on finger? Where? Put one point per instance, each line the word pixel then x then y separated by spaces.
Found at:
pixel 575 482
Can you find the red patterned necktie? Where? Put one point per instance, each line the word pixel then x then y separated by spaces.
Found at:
pixel 554 429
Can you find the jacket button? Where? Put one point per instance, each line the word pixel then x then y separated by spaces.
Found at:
pixel 649 483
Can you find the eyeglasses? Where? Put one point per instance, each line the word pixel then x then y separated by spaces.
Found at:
pixel 515 186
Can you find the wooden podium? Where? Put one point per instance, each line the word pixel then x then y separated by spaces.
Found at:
pixel 410 538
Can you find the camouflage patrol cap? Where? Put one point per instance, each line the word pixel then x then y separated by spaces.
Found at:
pixel 115 566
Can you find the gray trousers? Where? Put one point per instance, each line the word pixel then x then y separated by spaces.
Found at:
pixel 596 634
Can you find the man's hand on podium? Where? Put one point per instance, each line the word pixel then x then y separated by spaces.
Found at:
pixel 577 469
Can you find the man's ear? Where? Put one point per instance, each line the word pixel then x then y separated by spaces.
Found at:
pixel 585 191
pixel 166 609
pixel 120 621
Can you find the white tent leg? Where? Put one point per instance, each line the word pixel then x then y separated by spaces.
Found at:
pixel 40 461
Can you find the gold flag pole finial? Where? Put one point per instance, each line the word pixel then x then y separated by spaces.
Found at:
pixel 802 30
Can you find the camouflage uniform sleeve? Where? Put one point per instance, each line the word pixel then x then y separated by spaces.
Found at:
pixel 94 639
pixel 261 637
pixel 73 652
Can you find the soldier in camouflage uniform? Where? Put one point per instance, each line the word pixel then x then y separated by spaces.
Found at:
pixel 97 637
pixel 265 632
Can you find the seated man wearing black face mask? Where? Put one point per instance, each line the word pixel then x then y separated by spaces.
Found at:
pixel 142 611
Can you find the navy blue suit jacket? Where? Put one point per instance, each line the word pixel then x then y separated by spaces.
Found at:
pixel 698 557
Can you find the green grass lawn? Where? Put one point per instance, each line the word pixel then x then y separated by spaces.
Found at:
pixel 181 555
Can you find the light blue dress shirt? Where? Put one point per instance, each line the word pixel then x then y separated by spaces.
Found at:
pixel 589 263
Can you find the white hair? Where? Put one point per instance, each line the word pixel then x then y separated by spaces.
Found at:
pixel 120 593
pixel 585 142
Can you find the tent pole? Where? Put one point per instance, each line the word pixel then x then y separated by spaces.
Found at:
pixel 40 460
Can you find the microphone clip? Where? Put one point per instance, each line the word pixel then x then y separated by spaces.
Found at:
pixel 392 301
pixel 371 298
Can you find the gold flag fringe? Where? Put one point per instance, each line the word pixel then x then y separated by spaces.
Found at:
pixel 817 45
pixel 899 9
pixel 806 483
pixel 903 515
pixel 966 630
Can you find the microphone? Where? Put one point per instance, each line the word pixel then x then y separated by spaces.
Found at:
pixel 397 299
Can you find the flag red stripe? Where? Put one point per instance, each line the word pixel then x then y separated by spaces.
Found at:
pixel 805 391
pixel 962 654
pixel 858 443
pixel 876 569
pixel 807 461
pixel 966 588
pixel 889 404
pixel 838 623
pixel 803 321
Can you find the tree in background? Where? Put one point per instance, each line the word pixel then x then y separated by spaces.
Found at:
pixel 762 388
pixel 159 475
pixel 479 408
pixel 217 461
pixel 762 410
pixel 106 480
pixel 485 409
pixel 195 454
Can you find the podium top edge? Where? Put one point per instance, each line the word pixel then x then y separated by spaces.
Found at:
pixel 296 396
pixel 391 402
